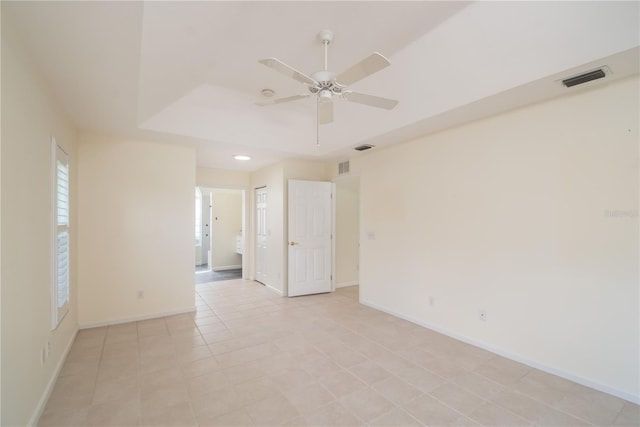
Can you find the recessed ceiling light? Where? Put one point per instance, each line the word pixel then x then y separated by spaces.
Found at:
pixel 241 157
pixel 267 93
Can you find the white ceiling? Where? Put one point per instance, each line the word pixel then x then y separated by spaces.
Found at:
pixel 187 72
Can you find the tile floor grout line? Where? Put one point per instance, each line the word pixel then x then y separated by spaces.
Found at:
pixel 548 406
pixel 340 323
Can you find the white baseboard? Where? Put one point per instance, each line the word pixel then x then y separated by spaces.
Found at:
pixel 272 289
pixel 35 418
pixel 136 318
pixel 516 357
pixel 345 284
pixel 226 267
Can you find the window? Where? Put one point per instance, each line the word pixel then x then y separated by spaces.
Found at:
pixel 198 217
pixel 60 179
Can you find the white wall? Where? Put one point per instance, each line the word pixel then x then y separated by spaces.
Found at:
pixel 136 210
pixel 30 115
pixel 531 215
pixel 347 238
pixel 226 225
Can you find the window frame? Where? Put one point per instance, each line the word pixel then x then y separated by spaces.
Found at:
pixel 59 311
pixel 198 217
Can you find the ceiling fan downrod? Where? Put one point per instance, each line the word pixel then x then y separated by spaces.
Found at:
pixel 326 37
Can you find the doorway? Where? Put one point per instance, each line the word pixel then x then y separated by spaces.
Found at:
pixel 347 242
pixel 219 234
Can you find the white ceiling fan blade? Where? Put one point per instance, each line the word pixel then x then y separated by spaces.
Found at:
pixel 371 64
pixel 281 100
pixel 325 112
pixel 374 101
pixel 287 70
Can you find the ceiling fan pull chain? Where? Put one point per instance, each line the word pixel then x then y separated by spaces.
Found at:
pixel 318 122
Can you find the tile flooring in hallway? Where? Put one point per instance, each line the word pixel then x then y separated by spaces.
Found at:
pixel 250 357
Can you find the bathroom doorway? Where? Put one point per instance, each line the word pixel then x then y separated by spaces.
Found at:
pixel 219 234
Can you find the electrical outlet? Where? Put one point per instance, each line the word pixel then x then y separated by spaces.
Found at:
pixel 140 294
pixel 483 315
pixel 432 301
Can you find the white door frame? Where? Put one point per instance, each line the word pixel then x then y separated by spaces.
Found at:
pixel 260 276
pixel 243 192
pixel 336 207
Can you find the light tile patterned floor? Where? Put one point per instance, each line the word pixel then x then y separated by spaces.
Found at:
pixel 249 357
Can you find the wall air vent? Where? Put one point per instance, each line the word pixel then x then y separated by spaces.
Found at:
pixel 343 168
pixel 584 78
pixel 363 147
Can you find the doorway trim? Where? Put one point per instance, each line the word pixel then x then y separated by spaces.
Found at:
pixel 337 210
pixel 257 253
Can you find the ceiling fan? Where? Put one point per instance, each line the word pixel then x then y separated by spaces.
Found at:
pixel 327 85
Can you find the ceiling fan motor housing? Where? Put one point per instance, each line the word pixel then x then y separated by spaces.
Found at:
pixel 326 85
pixel 324 78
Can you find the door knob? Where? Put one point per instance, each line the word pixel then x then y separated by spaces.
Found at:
pixel 292 243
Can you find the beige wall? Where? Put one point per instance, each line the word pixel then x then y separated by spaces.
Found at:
pixel 136 210
pixel 0 251
pixel 532 216
pixel 309 170
pixel 220 178
pixel 30 116
pixel 226 225
pixel 347 238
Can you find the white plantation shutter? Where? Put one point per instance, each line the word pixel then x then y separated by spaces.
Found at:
pixel 62 276
pixel 62 187
pixel 60 294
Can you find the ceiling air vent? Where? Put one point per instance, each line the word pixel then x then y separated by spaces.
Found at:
pixel 363 147
pixel 584 78
pixel 343 168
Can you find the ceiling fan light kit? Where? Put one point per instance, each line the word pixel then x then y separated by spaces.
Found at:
pixel 327 85
pixel 325 95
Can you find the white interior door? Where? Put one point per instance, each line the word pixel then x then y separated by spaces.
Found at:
pixel 310 228
pixel 261 235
